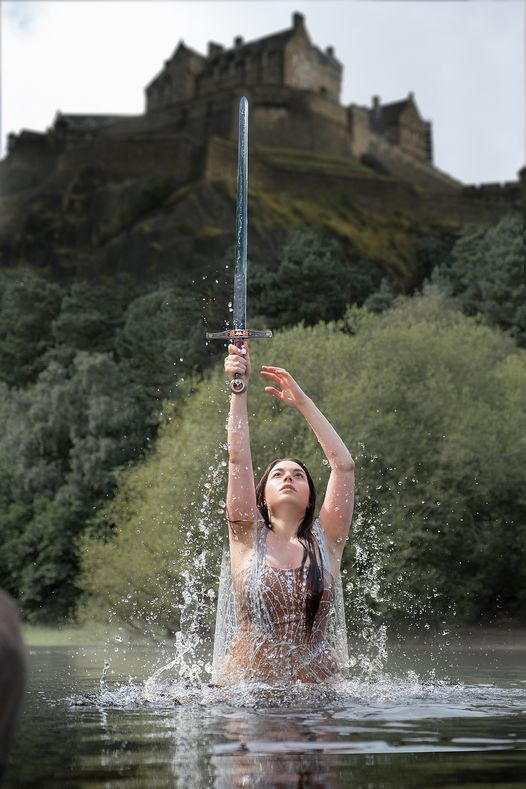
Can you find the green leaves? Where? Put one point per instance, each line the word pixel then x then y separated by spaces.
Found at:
pixel 429 403
pixel 28 306
pixel 312 282
pixel 486 274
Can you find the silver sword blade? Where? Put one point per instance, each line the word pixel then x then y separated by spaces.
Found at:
pixel 240 271
pixel 239 332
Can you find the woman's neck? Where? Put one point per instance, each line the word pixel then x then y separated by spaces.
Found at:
pixel 285 527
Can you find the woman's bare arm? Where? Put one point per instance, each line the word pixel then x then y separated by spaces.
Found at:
pixel 337 509
pixel 241 505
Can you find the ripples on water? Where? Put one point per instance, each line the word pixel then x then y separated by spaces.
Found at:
pixel 302 735
pixel 407 699
pixel 88 723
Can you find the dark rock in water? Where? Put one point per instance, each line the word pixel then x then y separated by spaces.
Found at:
pixel 12 673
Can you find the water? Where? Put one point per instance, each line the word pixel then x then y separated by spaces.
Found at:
pixel 434 715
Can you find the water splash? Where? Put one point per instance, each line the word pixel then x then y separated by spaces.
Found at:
pixel 184 666
pixel 398 698
pixel 190 661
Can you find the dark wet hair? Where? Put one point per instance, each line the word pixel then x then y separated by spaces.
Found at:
pixel 314 583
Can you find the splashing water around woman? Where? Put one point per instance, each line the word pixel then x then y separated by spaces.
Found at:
pixel 280 612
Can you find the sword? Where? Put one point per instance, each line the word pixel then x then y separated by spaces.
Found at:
pixel 240 331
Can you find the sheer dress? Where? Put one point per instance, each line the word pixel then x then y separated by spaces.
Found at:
pixel 271 641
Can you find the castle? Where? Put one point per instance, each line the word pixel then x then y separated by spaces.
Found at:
pixel 293 89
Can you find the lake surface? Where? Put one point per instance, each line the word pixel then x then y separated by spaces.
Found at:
pixel 431 715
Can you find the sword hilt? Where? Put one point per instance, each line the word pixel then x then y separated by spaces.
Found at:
pixel 236 337
pixel 238 384
pixel 239 334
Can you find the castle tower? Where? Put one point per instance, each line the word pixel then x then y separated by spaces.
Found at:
pixel 285 59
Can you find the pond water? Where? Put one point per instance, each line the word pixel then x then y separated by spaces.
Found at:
pixel 432 715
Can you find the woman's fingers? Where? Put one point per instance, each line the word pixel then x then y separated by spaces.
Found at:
pixel 271 390
pixel 237 362
pixel 274 376
pixel 277 370
pixel 233 349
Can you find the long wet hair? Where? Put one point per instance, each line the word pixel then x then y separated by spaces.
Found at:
pixel 314 581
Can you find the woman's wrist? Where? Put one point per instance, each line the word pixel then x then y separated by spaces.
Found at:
pixel 304 405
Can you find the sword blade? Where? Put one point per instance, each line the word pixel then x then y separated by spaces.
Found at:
pixel 240 271
pixel 239 333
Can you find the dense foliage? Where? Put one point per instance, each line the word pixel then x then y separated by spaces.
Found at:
pixel 86 368
pixel 430 403
pixel 486 274
pixel 83 372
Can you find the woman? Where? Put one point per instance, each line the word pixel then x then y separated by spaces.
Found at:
pixel 285 566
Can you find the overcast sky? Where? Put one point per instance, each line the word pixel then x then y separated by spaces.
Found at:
pixel 463 59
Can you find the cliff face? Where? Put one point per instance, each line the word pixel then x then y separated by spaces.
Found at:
pixel 164 205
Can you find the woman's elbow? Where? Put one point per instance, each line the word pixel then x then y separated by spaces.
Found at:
pixel 344 466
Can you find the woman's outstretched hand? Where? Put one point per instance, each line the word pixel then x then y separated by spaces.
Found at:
pixel 289 393
pixel 237 363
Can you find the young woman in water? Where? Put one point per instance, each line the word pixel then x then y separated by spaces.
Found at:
pixel 285 565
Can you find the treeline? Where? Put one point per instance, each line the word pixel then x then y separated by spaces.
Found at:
pixel 89 371
pixel 84 370
pixel 432 405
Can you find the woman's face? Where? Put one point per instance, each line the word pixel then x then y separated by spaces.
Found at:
pixel 287 484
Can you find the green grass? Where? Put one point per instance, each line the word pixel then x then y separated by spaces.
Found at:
pixel 70 635
pixel 308 161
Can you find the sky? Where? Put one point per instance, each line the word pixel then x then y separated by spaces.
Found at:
pixel 463 59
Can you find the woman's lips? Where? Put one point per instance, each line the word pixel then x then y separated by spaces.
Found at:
pixel 287 487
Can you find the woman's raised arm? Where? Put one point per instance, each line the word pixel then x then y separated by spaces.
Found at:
pixel 241 505
pixel 337 509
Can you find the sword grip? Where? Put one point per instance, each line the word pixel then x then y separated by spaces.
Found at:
pixel 237 384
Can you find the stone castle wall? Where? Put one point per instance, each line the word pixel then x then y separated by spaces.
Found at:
pixel 508 193
pixel 402 165
pixel 373 192
pixel 134 158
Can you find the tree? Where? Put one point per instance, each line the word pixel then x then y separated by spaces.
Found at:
pixel 90 315
pixel 162 338
pixel 61 442
pixel 485 274
pixel 28 307
pixel 312 282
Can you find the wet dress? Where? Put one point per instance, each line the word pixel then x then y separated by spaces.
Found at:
pixel 272 642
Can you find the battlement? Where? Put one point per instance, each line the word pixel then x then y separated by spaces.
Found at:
pixel 504 192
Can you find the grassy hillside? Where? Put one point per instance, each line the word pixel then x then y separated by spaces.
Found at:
pixel 84 224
